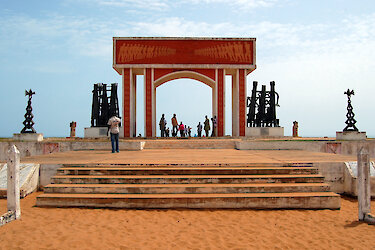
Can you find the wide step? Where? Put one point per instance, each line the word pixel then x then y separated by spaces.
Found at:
pixel 184 170
pixel 185 188
pixel 314 200
pixel 184 179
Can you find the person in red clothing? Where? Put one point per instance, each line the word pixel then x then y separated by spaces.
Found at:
pixel 182 129
pixel 174 126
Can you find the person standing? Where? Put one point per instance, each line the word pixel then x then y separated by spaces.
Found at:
pixel 207 126
pixel 113 128
pixel 162 125
pixel 182 130
pixel 199 129
pixel 167 132
pixel 214 125
pixel 186 131
pixel 174 125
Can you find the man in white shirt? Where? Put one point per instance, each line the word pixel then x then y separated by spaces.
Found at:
pixel 113 127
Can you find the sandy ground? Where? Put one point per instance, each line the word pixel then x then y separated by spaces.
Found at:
pixel 75 228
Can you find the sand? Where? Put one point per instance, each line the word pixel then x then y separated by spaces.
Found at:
pixel 81 228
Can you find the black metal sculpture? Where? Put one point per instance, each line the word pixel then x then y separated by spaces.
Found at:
pixel 350 121
pixel 262 107
pixel 102 109
pixel 28 123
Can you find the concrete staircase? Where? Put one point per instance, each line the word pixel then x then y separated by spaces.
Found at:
pixel 189 186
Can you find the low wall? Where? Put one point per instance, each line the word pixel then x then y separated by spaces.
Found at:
pixel 323 146
pixel 333 173
pixel 47 147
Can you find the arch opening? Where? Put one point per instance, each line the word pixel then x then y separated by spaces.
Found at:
pixel 171 98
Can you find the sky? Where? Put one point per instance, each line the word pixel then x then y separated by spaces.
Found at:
pixel 313 49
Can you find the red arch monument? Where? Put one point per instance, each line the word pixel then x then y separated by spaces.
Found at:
pixel 161 59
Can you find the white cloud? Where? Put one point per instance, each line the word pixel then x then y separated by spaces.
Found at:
pixel 247 4
pixel 144 4
pixel 161 5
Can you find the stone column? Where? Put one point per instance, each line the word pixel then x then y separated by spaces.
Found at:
pixel 363 183
pixel 149 102
pixel 235 105
pixel 134 106
pixel 220 130
pixel 13 185
pixel 242 96
pixel 126 89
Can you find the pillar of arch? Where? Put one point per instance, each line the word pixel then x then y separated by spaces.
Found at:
pixel 207 60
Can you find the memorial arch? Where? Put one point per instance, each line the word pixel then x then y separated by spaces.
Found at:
pixel 207 60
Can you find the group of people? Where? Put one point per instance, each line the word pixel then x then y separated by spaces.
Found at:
pixel 184 130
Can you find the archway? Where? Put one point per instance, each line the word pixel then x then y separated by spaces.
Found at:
pixel 208 60
pixel 189 99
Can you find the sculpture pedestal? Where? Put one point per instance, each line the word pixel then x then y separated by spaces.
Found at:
pixel 28 137
pixel 96 132
pixel 351 136
pixel 264 131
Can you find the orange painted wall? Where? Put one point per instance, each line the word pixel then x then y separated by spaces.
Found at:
pixel 184 51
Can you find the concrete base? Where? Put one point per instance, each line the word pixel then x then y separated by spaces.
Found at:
pixel 350 179
pixel 29 178
pixel 96 132
pixel 264 131
pixel 350 136
pixel 36 137
pixel 100 132
pixel 370 219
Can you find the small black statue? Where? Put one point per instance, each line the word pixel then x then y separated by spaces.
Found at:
pixel 29 123
pixel 350 121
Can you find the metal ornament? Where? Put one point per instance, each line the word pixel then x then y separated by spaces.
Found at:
pixel 28 123
pixel 350 121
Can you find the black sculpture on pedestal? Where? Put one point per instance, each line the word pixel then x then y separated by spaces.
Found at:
pixel 102 108
pixel 262 107
pixel 29 123
pixel 350 121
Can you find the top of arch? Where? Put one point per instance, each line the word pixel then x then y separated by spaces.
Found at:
pixel 184 53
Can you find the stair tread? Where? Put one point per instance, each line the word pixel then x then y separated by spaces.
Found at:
pixel 192 165
pixel 184 168
pixel 182 176
pixel 210 195
pixel 193 185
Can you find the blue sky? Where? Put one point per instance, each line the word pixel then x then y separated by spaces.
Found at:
pixel 314 50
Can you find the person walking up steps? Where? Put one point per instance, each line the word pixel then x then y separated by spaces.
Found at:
pixel 207 126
